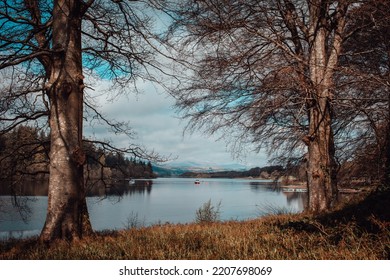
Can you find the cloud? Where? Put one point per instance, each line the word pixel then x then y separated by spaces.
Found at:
pixel 158 128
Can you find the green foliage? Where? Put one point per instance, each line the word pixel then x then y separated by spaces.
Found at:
pixel 208 213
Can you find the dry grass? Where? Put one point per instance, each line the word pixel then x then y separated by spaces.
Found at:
pixel 359 231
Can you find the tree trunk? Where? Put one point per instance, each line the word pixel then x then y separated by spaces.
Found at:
pixel 321 167
pixel 67 216
pixel 321 171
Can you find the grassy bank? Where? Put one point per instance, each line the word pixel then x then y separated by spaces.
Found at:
pixel 357 231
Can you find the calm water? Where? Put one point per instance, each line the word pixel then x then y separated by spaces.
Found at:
pixel 173 200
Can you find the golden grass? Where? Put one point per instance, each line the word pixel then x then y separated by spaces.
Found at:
pixel 359 231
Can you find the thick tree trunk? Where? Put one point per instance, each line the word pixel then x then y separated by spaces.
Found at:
pixel 321 170
pixel 324 53
pixel 67 216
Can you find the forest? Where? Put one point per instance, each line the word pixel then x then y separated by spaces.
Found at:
pixel 24 155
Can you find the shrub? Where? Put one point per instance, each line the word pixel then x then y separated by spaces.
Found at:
pixel 208 212
pixel 133 221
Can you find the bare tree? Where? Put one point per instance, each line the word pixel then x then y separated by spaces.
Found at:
pixel 265 71
pixel 364 105
pixel 46 49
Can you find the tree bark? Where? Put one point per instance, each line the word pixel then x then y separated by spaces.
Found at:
pixel 321 171
pixel 324 54
pixel 322 168
pixel 67 215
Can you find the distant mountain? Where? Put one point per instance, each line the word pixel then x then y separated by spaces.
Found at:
pixel 205 165
pixel 177 168
pixel 165 171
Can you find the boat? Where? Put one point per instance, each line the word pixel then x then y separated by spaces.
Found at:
pixel 197 182
pixel 131 182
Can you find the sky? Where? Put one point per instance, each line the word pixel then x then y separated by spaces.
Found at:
pixel 159 128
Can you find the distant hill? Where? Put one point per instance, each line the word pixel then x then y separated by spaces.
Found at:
pixel 162 171
pixel 175 169
pixel 268 172
pixel 193 170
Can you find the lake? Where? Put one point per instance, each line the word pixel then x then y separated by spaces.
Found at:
pixel 147 202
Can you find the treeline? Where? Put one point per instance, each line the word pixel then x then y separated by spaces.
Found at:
pixel 366 169
pixel 25 152
pixel 267 172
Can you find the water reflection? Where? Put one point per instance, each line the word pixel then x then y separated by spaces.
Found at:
pixel 94 188
pixel 296 197
pixel 261 185
pixel 120 188
pixel 24 188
